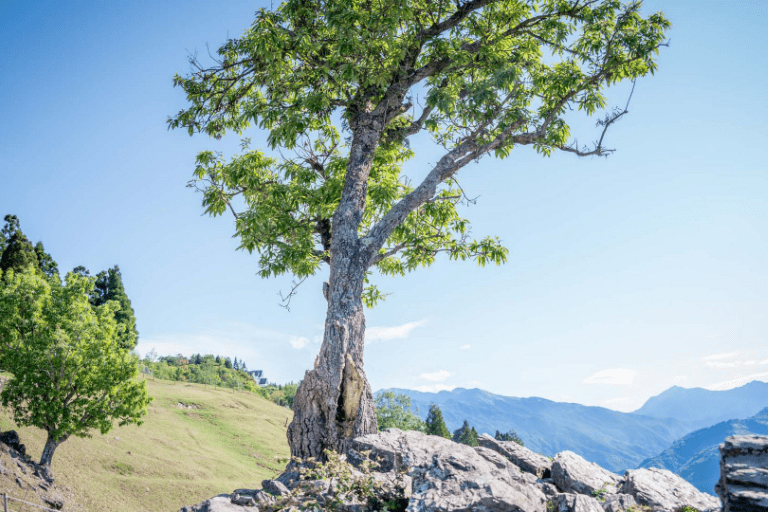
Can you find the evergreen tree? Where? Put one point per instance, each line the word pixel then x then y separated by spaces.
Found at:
pixel 509 436
pixel 218 359
pixel 45 261
pixel 81 271
pixel 435 425
pixel 109 286
pixel 227 363
pixel 243 367
pixel 466 435
pixel 236 364
pixel 18 252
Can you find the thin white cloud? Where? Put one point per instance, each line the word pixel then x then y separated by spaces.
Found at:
pixel 738 382
pixel 721 364
pixel 726 355
pixel 373 334
pixel 465 347
pixel 613 377
pixel 435 388
pixel 298 342
pixel 437 376
pixel 678 379
pixel 317 338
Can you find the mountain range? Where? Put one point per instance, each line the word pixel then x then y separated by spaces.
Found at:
pixel 696 457
pixel 615 440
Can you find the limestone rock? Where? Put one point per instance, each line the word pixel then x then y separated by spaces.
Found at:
pixel 619 503
pixel 743 484
pixel 275 487
pixel 526 459
pixel 571 473
pixel 566 502
pixel 220 503
pixel 665 491
pixel 448 476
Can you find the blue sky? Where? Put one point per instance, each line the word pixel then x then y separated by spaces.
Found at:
pixel 626 275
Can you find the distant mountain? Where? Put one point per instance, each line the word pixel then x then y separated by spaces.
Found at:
pixel 702 408
pixel 616 441
pixel 696 457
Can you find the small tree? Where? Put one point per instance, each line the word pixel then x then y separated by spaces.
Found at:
pixel 394 411
pixel 466 435
pixel 509 436
pixel 434 424
pixel 69 373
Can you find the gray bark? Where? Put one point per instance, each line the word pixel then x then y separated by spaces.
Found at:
pixel 334 402
pixel 47 456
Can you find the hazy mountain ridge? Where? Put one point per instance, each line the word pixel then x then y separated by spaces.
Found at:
pixel 696 457
pixel 614 440
pixel 703 407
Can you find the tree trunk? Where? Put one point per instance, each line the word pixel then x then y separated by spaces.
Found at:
pixel 45 459
pixel 334 402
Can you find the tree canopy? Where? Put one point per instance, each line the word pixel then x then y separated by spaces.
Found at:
pixel 70 375
pixel 394 411
pixel 435 424
pixel 109 287
pixel 466 435
pixel 479 76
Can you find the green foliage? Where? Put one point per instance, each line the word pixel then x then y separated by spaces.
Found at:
pixel 434 424
pixel 602 491
pixel 509 436
pixel 18 253
pixel 466 435
pixel 109 287
pixel 686 508
pixel 350 485
pixel 394 411
pixel 490 75
pixel 70 375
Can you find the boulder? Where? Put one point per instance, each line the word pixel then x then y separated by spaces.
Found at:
pixel 743 484
pixel 220 503
pixel 448 476
pixel 619 503
pixel 526 459
pixel 566 502
pixel 665 491
pixel 11 439
pixel 571 473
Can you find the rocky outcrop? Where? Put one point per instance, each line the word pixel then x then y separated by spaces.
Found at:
pixel 665 491
pixel 414 472
pixel 521 456
pixel 743 485
pixel 572 473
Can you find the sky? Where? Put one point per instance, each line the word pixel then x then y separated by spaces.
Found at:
pixel 625 275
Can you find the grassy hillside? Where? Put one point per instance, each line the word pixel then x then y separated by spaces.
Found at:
pixel 196 442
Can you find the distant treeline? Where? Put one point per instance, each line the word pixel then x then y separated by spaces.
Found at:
pixel 216 371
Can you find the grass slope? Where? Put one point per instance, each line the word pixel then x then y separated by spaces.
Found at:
pixel 216 442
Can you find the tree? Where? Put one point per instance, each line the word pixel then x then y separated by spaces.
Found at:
pixel 109 287
pixel 509 436
pixel 466 435
pixel 480 76
pixel 236 364
pixel 227 363
pixel 394 411
pixel 18 253
pixel 70 374
pixel 434 424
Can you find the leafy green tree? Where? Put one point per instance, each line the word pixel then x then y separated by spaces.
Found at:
pixel 70 374
pixel 434 424
pixel 109 287
pixel 466 435
pixel 509 436
pixel 45 261
pixel 227 363
pixel 342 85
pixel 394 411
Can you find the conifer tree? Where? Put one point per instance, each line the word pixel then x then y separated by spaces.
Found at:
pixel 236 364
pixel 109 286
pixel 18 252
pixel 435 425
pixel 466 435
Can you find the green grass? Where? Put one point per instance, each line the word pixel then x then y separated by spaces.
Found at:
pixel 179 456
